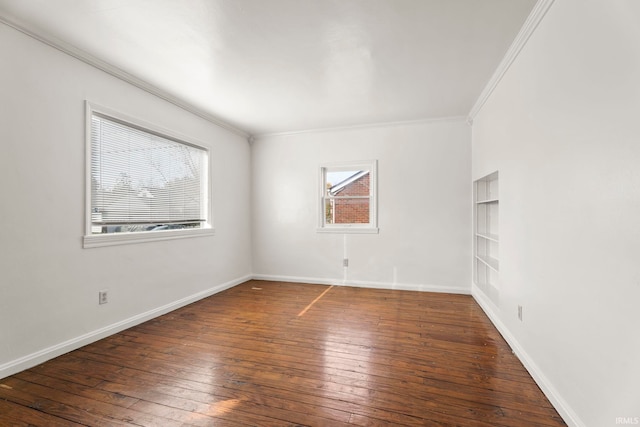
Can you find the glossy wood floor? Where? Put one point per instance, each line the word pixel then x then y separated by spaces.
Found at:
pixel 283 354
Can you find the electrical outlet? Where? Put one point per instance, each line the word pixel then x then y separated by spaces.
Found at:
pixel 520 313
pixel 345 262
pixel 103 297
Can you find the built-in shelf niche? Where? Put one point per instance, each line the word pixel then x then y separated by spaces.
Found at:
pixel 487 235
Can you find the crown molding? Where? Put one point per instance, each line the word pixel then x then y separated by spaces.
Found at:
pixel 364 126
pixel 117 72
pixel 533 20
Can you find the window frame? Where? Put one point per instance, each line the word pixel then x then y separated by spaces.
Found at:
pixel 111 239
pixel 355 228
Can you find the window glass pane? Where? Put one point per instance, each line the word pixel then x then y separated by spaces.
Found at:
pixel 347 196
pixel 143 182
pixel 347 210
pixel 336 177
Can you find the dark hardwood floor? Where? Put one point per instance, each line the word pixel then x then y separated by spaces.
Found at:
pixel 284 354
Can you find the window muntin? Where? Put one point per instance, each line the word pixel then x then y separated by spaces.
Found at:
pixel 348 198
pixel 142 182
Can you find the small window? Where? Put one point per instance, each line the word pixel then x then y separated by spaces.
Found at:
pixel 348 198
pixel 143 183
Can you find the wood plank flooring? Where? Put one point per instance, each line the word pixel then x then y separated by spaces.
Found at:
pixel 286 354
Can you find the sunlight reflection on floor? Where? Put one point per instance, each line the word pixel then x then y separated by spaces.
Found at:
pixel 223 407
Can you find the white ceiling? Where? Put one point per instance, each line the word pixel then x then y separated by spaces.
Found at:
pixel 268 66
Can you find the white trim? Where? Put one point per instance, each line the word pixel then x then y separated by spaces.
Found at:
pixel 100 240
pixel 365 284
pixel 88 111
pixel 348 230
pixel 535 17
pixel 115 239
pixel 563 408
pixel 364 126
pixel 43 355
pixel 89 59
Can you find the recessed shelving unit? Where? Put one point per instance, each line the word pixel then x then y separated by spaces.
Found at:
pixel 487 235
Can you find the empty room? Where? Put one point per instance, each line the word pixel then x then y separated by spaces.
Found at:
pixel 320 213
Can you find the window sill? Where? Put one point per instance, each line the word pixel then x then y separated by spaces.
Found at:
pixel 114 239
pixel 349 230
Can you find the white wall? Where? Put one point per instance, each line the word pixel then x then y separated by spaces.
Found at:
pixel 562 130
pixel 423 197
pixel 48 283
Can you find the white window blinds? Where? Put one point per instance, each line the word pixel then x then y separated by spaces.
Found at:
pixel 141 180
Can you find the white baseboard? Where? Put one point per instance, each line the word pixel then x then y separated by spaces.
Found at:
pixel 568 415
pixel 365 284
pixel 43 355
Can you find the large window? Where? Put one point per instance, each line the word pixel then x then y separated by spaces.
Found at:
pixel 144 184
pixel 348 198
